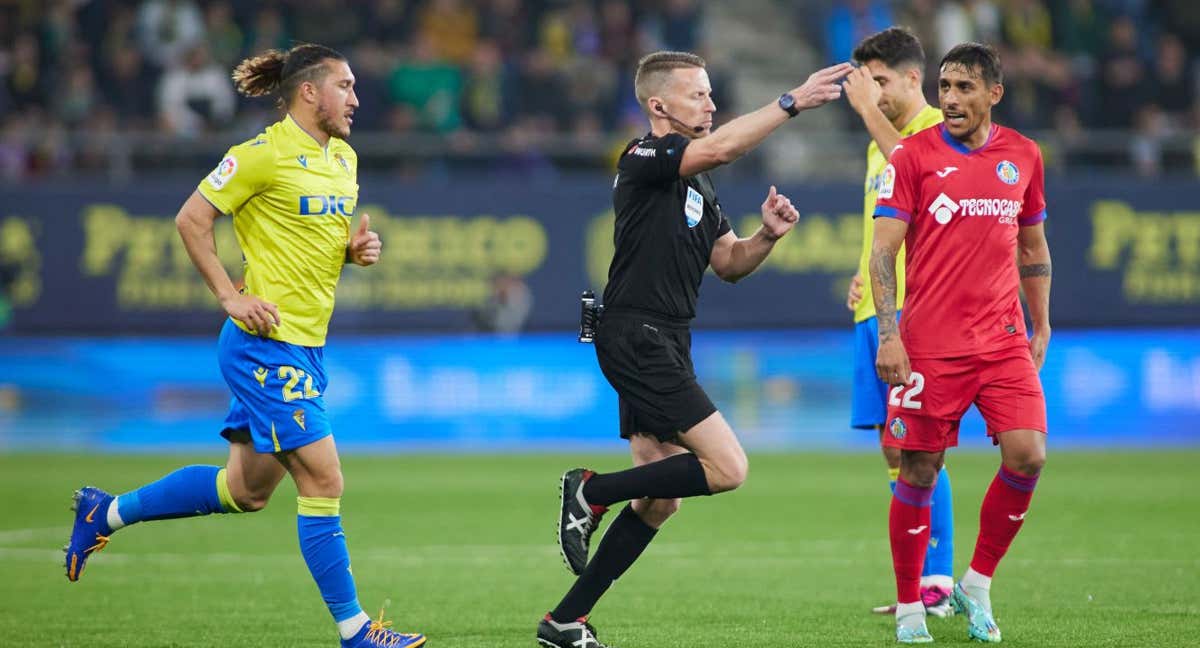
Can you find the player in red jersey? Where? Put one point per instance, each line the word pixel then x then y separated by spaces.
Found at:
pixel 966 197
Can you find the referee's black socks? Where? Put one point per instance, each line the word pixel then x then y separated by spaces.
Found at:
pixel 679 475
pixel 624 541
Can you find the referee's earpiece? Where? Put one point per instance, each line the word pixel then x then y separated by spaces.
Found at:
pixel 662 110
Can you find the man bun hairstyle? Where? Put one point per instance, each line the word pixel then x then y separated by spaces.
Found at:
pixel 895 47
pixel 976 58
pixel 276 72
pixel 654 70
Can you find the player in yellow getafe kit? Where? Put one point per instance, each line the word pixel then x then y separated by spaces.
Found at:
pixel 886 92
pixel 291 192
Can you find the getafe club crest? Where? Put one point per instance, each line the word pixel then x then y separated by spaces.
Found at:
pixel 898 428
pixel 1008 173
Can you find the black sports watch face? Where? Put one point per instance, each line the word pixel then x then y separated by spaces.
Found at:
pixel 788 103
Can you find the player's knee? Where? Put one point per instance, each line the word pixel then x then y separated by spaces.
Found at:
pixel 251 501
pixel 330 485
pixel 920 476
pixel 729 473
pixel 919 469
pixel 924 477
pixel 1029 463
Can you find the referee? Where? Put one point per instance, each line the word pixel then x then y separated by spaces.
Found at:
pixel 669 228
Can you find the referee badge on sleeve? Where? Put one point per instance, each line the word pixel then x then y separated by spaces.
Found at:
pixel 693 207
pixel 223 173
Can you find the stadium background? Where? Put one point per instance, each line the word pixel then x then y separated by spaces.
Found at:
pixel 487 136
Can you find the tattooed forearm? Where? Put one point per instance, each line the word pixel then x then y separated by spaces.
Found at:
pixel 883 286
pixel 1034 270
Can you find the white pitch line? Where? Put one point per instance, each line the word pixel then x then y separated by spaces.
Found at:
pixel 24 535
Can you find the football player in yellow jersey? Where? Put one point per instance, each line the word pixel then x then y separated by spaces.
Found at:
pixel 291 192
pixel 886 92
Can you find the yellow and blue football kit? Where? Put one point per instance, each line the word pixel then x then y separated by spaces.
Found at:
pixel 868 399
pixel 291 200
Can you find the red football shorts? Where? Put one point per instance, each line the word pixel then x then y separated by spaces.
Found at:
pixel 924 414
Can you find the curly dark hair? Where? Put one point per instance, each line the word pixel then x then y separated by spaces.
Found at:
pixel 280 73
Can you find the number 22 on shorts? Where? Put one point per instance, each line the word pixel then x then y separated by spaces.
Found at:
pixel 916 385
pixel 293 377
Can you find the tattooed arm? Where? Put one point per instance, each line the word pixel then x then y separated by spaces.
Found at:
pixel 1033 263
pixel 891 363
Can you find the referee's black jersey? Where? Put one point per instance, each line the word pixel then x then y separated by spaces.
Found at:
pixel 665 229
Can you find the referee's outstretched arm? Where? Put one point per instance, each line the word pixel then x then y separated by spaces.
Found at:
pixel 741 135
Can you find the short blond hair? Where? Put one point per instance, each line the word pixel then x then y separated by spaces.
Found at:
pixel 654 72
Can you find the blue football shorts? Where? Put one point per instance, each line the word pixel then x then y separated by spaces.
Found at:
pixel 868 399
pixel 277 390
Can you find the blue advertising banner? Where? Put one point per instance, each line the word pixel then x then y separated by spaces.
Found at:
pixel 779 389
pixel 96 259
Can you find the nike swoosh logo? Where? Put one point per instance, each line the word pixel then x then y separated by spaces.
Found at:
pixel 918 529
pixel 1017 518
pixel 88 519
pixel 947 171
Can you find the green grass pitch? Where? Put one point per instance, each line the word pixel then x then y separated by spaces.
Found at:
pixel 464 549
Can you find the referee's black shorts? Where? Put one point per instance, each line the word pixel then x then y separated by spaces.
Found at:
pixel 648 361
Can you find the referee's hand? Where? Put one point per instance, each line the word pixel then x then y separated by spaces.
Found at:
pixel 365 246
pixel 778 214
pixel 262 316
pixel 822 86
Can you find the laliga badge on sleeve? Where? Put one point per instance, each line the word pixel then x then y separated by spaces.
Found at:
pixel 887 184
pixel 223 173
pixel 693 207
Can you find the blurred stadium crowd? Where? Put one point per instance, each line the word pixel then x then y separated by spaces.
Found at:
pixel 518 70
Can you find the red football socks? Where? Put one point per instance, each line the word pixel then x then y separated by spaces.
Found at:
pixel 908 524
pixel 1001 517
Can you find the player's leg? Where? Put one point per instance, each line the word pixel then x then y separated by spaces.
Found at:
pixel 1000 519
pixel 923 421
pixel 869 406
pixel 1014 408
pixel 250 476
pixel 317 472
pixel 628 535
pixel 908 532
pixel 650 368
pixel 937 581
pixel 716 464
pixel 243 485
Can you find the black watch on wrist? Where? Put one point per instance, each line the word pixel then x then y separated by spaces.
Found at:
pixel 788 103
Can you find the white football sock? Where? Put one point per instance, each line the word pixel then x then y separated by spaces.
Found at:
pixel 114 515
pixel 350 627
pixel 910 615
pixel 978 587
